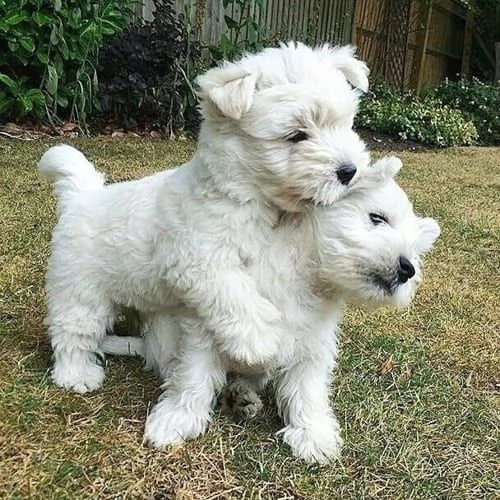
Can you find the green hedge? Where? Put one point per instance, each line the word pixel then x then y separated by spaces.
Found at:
pixel 48 55
pixel 478 102
pixel 426 120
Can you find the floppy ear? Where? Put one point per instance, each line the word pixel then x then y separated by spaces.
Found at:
pixel 230 88
pixel 388 166
pixel 355 71
pixel 428 232
pixel 382 170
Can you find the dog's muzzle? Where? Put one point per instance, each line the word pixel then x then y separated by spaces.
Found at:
pixel 390 283
pixel 345 173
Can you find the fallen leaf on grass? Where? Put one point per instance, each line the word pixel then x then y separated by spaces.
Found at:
pixel 12 128
pixel 68 127
pixel 387 366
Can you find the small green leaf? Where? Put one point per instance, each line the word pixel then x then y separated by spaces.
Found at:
pixel 252 34
pixel 42 55
pixel 52 80
pixel 57 5
pixel 36 96
pixel 231 23
pixel 13 46
pixel 107 30
pixel 63 50
pixel 89 31
pixel 9 82
pixel 82 102
pixel 58 62
pixel 26 103
pixel 62 101
pixel 15 18
pixel 78 52
pixel 95 80
pixel 109 27
pixel 28 44
pixel 54 38
pixel 6 103
pixel 42 19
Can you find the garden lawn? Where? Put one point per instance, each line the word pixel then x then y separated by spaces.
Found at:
pixel 416 392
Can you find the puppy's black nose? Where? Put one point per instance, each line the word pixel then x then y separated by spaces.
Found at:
pixel 406 270
pixel 345 173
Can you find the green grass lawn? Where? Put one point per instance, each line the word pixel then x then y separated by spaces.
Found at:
pixel 417 392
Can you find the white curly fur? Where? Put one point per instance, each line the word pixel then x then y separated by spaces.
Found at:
pixel 315 263
pixel 232 258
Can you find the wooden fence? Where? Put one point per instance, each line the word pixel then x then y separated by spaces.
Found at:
pixel 412 43
pixel 311 21
pixel 409 43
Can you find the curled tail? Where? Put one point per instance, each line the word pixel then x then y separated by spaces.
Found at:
pixel 69 171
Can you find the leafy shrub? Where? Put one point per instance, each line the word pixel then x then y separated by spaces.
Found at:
pixel 424 120
pixel 145 73
pixel 244 32
pixel 18 100
pixel 478 102
pixel 48 55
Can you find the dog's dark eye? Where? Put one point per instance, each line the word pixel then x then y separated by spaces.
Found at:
pixel 297 136
pixel 377 219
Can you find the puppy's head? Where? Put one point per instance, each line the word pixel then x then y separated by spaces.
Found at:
pixel 286 114
pixel 370 243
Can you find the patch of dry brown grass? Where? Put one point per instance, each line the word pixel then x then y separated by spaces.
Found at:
pixel 416 392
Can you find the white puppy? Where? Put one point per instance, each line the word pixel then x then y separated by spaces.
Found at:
pixel 365 249
pixel 276 137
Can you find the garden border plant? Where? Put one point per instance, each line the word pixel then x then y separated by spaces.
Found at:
pixel 404 115
pixel 48 56
pixel 146 73
pixel 478 102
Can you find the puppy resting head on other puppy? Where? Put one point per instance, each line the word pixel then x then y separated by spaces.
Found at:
pixel 279 123
pixel 370 243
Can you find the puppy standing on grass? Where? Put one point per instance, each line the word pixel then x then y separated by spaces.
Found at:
pixel 366 249
pixel 276 138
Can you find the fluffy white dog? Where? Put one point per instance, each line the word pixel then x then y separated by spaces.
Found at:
pixel 276 137
pixel 366 249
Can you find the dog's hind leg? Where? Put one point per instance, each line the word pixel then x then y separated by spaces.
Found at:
pixel 240 395
pixel 185 408
pixel 76 332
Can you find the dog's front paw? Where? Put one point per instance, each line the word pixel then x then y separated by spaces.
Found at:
pixel 319 442
pixel 171 423
pixel 254 348
pixel 241 399
pixel 78 376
